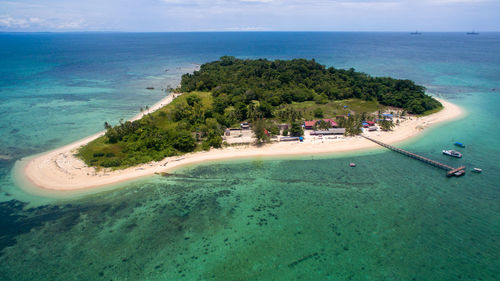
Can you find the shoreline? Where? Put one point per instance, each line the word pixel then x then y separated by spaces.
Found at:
pixel 59 171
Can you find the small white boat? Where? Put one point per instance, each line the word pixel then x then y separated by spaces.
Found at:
pixel 452 153
pixel 477 170
pixel 352 164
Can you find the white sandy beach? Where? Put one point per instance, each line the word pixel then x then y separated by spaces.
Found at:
pixel 60 170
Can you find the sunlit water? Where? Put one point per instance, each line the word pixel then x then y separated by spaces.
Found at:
pixel 299 218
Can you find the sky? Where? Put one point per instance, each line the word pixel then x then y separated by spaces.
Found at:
pixel 249 15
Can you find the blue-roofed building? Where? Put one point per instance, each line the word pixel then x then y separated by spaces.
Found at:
pixel 387 116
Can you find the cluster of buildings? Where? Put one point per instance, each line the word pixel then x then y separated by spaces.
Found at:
pixel 369 125
pixel 309 125
pixel 245 135
pixel 334 130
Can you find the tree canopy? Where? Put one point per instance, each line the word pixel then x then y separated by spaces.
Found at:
pixel 183 126
pixel 239 82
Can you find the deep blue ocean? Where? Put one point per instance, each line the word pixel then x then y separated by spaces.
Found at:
pixel 301 218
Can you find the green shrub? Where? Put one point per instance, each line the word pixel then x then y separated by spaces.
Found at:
pixel 214 141
pixel 318 113
pixel 321 99
pixel 273 129
pixel 296 130
pixel 205 146
pixel 184 142
pixel 108 163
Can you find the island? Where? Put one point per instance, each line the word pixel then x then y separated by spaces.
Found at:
pixel 233 108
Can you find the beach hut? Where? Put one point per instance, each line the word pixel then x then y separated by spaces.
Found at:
pixel 283 127
pixel 329 132
pixel 289 138
pixel 309 125
pixel 332 123
pixel 337 131
pixel 387 116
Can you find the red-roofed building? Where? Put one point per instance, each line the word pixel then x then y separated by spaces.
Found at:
pixel 310 124
pixel 332 123
pixel 371 123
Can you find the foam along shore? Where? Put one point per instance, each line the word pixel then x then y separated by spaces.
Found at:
pixel 60 170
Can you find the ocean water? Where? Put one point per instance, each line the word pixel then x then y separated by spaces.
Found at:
pixel 290 218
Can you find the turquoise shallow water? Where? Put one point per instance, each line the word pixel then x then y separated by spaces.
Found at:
pixel 308 218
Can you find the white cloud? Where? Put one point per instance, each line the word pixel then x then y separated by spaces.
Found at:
pixel 21 4
pixel 36 23
pixel 247 28
pixel 8 21
pixel 256 1
pixel 368 5
pixel 70 25
pixel 283 4
pixel 196 15
pixel 457 1
pixel 212 3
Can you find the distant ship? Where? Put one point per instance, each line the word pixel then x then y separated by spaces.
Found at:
pixel 416 33
pixel 472 33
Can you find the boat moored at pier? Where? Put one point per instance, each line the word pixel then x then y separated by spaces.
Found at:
pixel 452 153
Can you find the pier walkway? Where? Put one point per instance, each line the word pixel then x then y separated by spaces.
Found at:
pixel 451 171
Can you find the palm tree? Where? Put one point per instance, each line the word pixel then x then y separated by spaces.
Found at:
pixel 258 128
pixel 386 125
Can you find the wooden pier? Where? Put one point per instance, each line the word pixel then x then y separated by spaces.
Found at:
pixel 450 170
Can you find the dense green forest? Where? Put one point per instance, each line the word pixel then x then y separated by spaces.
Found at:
pixel 236 82
pixel 184 125
pixel 228 91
